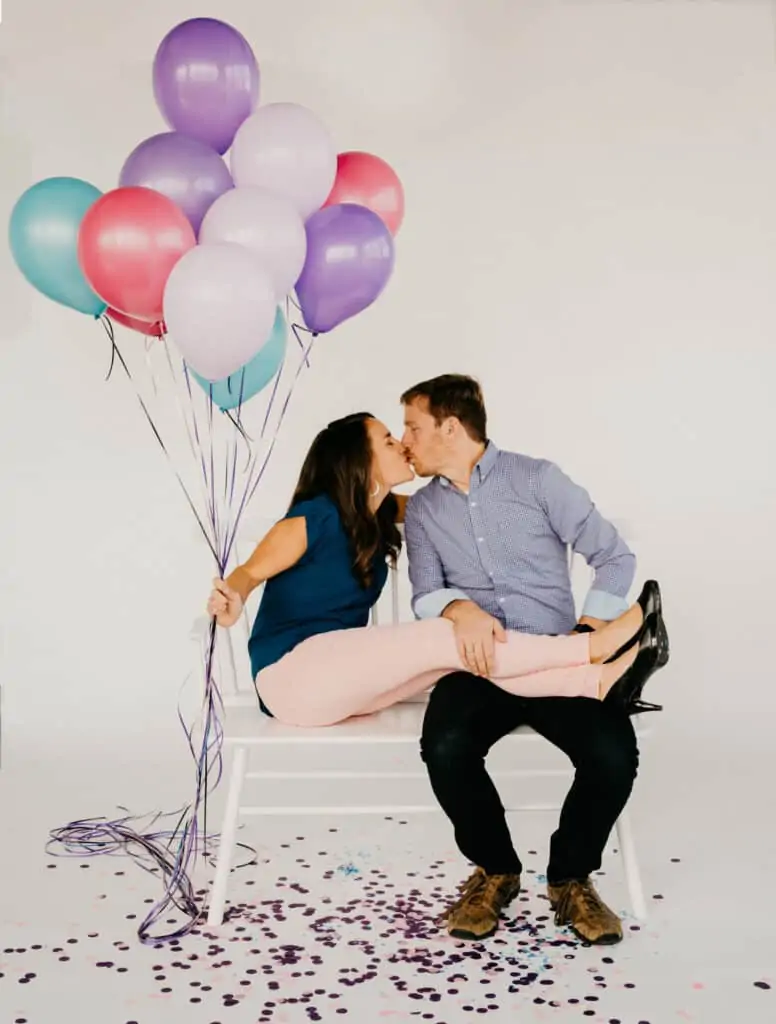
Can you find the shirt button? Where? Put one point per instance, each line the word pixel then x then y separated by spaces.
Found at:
pixel 480 540
pixel 474 504
pixel 501 600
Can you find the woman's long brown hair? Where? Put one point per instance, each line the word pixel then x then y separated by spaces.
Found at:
pixel 339 465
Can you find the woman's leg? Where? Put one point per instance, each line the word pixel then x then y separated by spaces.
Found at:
pixel 335 675
pixel 596 682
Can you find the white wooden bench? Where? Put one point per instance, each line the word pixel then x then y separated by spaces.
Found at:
pixel 249 732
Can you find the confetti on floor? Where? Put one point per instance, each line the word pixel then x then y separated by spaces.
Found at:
pixel 318 933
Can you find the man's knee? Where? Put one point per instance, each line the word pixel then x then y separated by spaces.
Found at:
pixel 445 747
pixel 447 737
pixel 612 758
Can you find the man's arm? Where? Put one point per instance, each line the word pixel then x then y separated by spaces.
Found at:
pixel 578 522
pixel 430 595
pixel 475 631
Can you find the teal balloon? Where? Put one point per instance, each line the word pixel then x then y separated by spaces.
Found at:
pixel 43 234
pixel 255 375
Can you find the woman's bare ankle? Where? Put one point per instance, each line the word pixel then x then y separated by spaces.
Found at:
pixel 615 634
pixel 615 670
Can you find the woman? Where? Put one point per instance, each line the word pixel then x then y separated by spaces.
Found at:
pixel 313 656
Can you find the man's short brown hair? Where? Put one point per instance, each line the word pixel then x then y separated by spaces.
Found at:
pixel 453 394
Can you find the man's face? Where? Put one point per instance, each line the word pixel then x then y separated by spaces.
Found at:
pixel 422 439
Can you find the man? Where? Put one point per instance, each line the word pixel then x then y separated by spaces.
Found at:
pixel 487 544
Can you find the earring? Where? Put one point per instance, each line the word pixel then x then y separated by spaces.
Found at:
pixel 376 491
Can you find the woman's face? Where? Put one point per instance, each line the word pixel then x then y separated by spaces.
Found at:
pixel 390 465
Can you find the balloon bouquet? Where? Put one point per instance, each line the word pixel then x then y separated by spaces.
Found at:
pixel 212 253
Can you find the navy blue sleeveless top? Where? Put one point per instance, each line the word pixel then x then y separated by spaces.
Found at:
pixel 317 595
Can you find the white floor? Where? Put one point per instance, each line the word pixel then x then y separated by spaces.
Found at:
pixel 337 919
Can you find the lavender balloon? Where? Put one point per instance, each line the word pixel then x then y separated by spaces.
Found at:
pixel 206 80
pixel 185 170
pixel 350 257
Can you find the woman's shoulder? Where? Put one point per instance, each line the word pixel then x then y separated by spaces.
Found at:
pixel 321 515
pixel 321 503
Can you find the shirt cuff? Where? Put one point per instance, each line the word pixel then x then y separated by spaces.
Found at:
pixel 600 605
pixel 431 606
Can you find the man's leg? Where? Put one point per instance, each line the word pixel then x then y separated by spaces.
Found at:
pixel 601 744
pixel 466 715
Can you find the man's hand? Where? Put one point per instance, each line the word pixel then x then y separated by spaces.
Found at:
pixel 475 634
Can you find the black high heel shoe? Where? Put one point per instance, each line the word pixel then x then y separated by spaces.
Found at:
pixel 650 599
pixel 651 602
pixel 639 707
pixel 653 654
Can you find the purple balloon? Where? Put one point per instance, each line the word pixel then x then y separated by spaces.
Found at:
pixel 206 80
pixel 350 257
pixel 185 170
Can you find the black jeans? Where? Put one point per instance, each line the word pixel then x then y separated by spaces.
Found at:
pixel 466 715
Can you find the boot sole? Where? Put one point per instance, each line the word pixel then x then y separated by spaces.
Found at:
pixel 459 933
pixel 608 939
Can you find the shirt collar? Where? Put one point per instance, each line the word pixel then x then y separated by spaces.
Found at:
pixel 482 467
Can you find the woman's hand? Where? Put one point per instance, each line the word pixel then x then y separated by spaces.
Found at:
pixel 225 604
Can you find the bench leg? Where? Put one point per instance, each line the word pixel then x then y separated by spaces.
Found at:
pixel 631 865
pixel 228 839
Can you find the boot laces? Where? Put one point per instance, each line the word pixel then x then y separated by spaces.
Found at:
pixel 582 891
pixel 478 890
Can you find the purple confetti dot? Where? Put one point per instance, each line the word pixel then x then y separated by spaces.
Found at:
pixel 762 984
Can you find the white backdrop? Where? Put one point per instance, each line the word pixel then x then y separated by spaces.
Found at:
pixel 591 214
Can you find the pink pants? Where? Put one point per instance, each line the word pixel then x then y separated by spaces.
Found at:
pixel 349 672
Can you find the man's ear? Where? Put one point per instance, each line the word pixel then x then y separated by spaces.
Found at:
pixel 450 427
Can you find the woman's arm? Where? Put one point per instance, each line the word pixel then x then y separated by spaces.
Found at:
pixel 283 546
pixel 401 500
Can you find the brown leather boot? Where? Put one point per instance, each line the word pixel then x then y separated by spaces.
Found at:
pixel 579 906
pixel 475 914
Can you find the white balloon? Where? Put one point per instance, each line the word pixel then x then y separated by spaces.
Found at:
pixel 219 307
pixel 267 224
pixel 285 149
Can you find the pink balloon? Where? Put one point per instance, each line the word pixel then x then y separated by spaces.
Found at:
pixel 266 224
pixel 156 330
pixel 219 307
pixel 285 149
pixel 129 241
pixel 367 180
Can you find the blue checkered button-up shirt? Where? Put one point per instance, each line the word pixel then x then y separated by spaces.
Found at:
pixel 504 545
